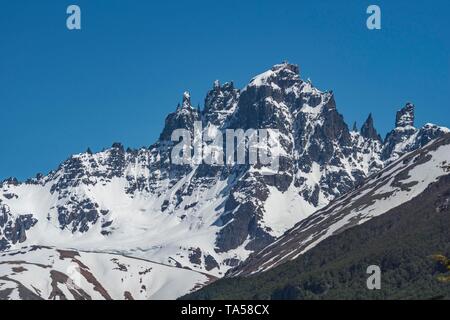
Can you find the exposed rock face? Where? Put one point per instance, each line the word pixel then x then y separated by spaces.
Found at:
pixel 368 130
pixel 78 215
pixel 314 138
pixel 183 118
pixel 220 103
pixel 418 171
pixel 405 116
pixel 318 261
pixel 140 201
pixel 405 137
pixel 13 230
pixel 196 256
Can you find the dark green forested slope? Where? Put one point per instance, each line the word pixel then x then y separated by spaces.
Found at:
pixel 403 242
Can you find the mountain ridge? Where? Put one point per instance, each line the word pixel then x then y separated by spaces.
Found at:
pixel 406 241
pixel 203 217
pixel 393 185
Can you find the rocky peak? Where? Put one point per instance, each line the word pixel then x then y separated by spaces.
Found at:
pixel 186 101
pixel 229 86
pixel 424 135
pixel 115 145
pixel 287 69
pixel 319 161
pixel 405 116
pixel 11 181
pixel 216 84
pixel 220 102
pixel 183 118
pixel 368 130
pixel 399 140
pixel 281 76
pixel 334 127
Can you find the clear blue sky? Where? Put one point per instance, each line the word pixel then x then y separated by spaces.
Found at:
pixel 116 80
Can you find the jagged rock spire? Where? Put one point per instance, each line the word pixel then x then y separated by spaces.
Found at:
pixel 183 118
pixel 405 116
pixel 186 101
pixel 117 145
pixel 368 130
pixel 355 127
pixel 220 102
pixel 404 129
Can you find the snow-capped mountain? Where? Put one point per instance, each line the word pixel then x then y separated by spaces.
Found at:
pixel 398 220
pixel 208 218
pixel 399 182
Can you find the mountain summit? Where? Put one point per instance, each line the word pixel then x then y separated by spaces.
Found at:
pixel 207 218
pixel 405 116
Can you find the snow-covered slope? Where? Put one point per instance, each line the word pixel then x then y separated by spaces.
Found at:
pixel 395 185
pixel 208 218
pixel 38 272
